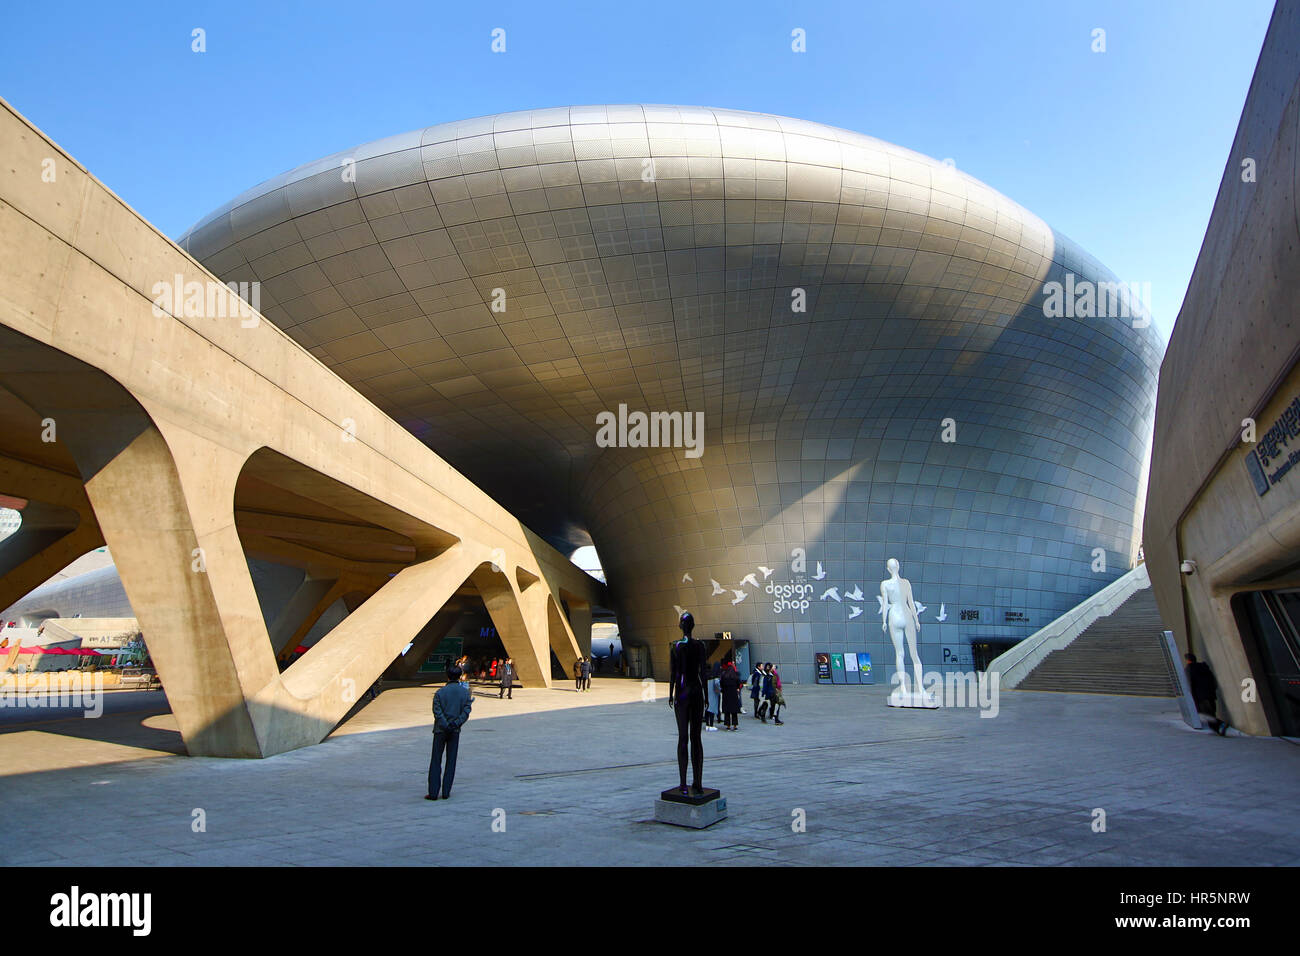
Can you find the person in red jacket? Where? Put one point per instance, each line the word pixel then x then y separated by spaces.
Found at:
pixel 778 699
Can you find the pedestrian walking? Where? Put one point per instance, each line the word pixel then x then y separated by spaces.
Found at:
pixel 715 701
pixel 507 673
pixel 756 690
pixel 729 684
pixel 769 692
pixel 1205 693
pixel 778 699
pixel 451 707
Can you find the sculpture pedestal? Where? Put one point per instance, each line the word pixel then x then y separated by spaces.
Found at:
pixel 923 700
pixel 697 809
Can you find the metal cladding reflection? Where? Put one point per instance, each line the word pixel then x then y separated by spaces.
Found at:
pixel 866 336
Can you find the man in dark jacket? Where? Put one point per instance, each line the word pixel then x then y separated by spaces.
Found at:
pixel 1205 692
pixel 756 690
pixel 507 674
pixel 451 706
pixel 730 684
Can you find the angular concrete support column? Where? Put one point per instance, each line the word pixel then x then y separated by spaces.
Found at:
pixel 169 521
pixel 408 665
pixel 580 622
pixel 520 620
pixel 304 704
pixel 563 641
pixel 323 604
pixel 184 572
pixel 304 606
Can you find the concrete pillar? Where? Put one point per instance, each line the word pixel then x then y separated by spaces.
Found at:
pixel 563 641
pixel 520 620
pixel 408 665
pixel 304 607
pixel 181 565
pixel 166 509
pixel 580 623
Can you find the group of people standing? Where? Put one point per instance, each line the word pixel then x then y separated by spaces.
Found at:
pixel 765 691
pixel 582 674
pixel 724 689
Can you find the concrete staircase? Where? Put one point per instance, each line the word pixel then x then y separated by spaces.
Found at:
pixel 1121 653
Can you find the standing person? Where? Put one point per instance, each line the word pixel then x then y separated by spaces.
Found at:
pixel 1205 692
pixel 729 684
pixel 769 692
pixel 577 674
pixel 756 690
pixel 715 700
pixel 586 673
pixel 451 706
pixel 778 699
pixel 507 673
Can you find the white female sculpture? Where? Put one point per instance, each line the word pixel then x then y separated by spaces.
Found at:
pixel 899 619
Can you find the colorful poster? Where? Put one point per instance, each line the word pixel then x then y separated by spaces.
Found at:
pixel 837 669
pixel 822 667
pixel 864 668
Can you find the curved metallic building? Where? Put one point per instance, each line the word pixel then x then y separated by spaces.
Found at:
pixel 863 328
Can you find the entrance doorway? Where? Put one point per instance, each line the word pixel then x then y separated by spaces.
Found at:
pixel 1270 624
pixel 984 652
pixel 637 660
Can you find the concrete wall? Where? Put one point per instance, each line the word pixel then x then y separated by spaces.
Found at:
pixel 1232 356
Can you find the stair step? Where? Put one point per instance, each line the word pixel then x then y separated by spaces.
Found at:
pixel 1122 653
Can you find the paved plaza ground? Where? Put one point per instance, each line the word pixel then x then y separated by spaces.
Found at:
pixel 574 778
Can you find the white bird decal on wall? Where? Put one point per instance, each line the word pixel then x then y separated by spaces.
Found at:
pixel 740 596
pixel 717 588
pixel 920 608
pixel 855 594
pixel 832 593
pixel 767 572
pixel 820 573
pixel 943 614
pixel 686 576
pixel 750 580
pixel 854 612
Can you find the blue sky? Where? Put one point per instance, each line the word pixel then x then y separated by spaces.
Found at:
pixel 1122 150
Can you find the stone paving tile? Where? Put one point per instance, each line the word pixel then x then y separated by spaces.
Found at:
pixel 577 775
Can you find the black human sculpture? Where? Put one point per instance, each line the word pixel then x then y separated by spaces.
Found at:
pixel 688 661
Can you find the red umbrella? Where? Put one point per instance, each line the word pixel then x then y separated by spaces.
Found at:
pixel 86 652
